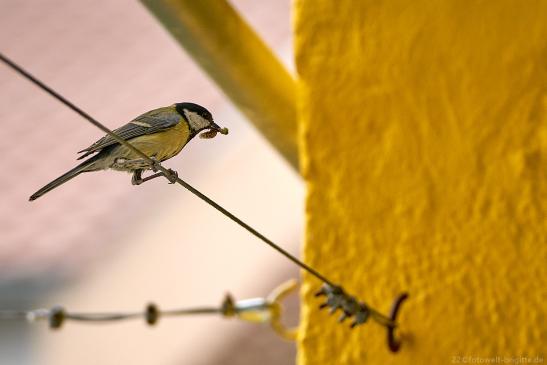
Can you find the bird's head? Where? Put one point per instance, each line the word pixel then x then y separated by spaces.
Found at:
pixel 199 119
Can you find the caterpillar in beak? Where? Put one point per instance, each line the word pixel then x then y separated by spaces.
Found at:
pixel 211 133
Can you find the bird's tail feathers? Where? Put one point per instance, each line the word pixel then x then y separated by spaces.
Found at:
pixel 83 167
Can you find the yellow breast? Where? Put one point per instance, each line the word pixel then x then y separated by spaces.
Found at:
pixel 164 145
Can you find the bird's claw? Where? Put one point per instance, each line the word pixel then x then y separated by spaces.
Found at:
pixel 172 176
pixel 136 179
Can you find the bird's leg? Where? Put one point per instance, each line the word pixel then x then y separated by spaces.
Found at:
pixel 136 179
pixel 148 178
pixel 137 174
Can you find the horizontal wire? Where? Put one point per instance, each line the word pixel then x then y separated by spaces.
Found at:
pixel 38 314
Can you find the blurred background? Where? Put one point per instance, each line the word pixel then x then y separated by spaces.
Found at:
pixel 101 244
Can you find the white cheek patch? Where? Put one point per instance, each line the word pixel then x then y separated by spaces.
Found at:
pixel 197 122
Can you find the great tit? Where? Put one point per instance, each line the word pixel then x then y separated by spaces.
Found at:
pixel 160 134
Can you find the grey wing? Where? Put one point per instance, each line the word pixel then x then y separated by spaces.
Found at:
pixel 152 122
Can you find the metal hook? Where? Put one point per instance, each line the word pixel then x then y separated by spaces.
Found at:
pixel 276 297
pixel 395 344
pixel 263 310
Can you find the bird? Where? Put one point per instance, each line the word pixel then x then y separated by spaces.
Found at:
pixel 160 134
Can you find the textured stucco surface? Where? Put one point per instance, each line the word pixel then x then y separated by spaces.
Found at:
pixel 423 145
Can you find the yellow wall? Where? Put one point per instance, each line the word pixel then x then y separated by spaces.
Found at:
pixel 423 144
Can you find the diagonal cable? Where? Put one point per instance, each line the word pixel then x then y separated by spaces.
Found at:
pixel 165 171
pixel 172 176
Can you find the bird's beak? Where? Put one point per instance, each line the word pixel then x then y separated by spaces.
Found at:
pixel 216 128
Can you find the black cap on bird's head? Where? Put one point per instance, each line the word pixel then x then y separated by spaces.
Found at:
pixel 198 118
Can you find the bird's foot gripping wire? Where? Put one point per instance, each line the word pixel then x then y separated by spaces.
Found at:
pixel 172 176
pixel 137 178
